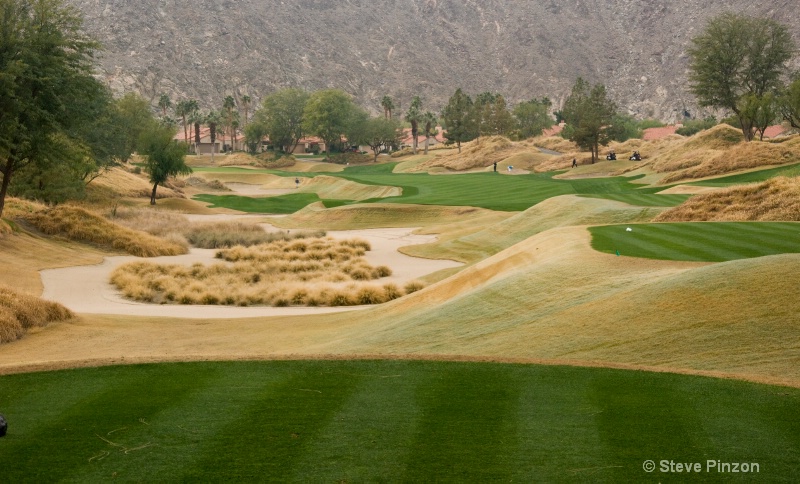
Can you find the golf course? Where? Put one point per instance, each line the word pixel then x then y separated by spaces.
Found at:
pixel 399 321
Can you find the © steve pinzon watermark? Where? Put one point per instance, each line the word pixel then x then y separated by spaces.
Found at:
pixel 709 466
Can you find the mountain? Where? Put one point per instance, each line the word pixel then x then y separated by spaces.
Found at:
pixel 207 49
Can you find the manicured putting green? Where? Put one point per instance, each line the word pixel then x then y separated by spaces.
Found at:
pixel 387 421
pixel 698 241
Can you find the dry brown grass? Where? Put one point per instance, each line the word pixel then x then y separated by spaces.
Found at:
pixel 555 143
pixel 777 199
pixel 484 152
pixel 20 312
pixel 741 156
pixel 79 224
pixel 316 216
pixel 120 182
pixel 300 272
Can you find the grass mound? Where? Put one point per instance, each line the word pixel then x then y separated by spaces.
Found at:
pixel 81 225
pixel 303 271
pixel 335 188
pixel 272 160
pixel 483 241
pixel 120 182
pixel 777 199
pixel 555 143
pixel 237 159
pixel 481 153
pixel 374 215
pixel 692 241
pixel 738 157
pixel 20 312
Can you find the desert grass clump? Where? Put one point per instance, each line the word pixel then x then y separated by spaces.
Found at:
pixel 81 225
pixel 20 312
pixel 312 272
pixel 413 286
pixel 156 222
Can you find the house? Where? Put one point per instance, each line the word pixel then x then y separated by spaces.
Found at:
pixel 407 140
pixel 205 145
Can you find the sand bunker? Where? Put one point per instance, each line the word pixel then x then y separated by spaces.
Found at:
pixel 85 289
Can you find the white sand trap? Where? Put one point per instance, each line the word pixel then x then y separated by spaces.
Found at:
pixel 85 289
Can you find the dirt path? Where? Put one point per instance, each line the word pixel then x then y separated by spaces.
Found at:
pixel 86 290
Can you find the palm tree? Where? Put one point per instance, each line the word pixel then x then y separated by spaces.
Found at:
pixel 212 120
pixel 184 109
pixel 228 104
pixel 429 121
pixel 388 106
pixel 196 119
pixel 164 103
pixel 246 106
pixel 414 116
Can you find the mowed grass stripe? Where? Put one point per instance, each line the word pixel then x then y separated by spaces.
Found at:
pixel 376 421
pixel 124 426
pixel 376 424
pixel 467 430
pixel 275 428
pixel 699 241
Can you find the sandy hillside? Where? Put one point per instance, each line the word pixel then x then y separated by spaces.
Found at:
pixel 549 298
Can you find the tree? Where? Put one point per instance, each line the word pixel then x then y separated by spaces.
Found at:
pixel 624 127
pixel 414 116
pixel 388 106
pixel 134 116
pixel 380 134
pixel 429 127
pixel 458 119
pixel 327 114
pixel 281 115
pixel 589 113
pixel 45 75
pixel 533 117
pixel 185 109
pixel 491 115
pixel 196 120
pixel 790 103
pixel 761 111
pixel 164 103
pixel 227 110
pixel 163 156
pixel 246 100
pixel 736 60
pixel 253 134
pixel 212 119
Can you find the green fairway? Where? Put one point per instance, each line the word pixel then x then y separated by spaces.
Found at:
pixel 698 241
pixel 280 204
pixel 368 421
pixel 493 191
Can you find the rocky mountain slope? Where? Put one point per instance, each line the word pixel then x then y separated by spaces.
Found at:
pixel 207 49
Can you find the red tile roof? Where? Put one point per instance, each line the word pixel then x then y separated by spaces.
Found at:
pixel 773 131
pixel 554 130
pixel 658 133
